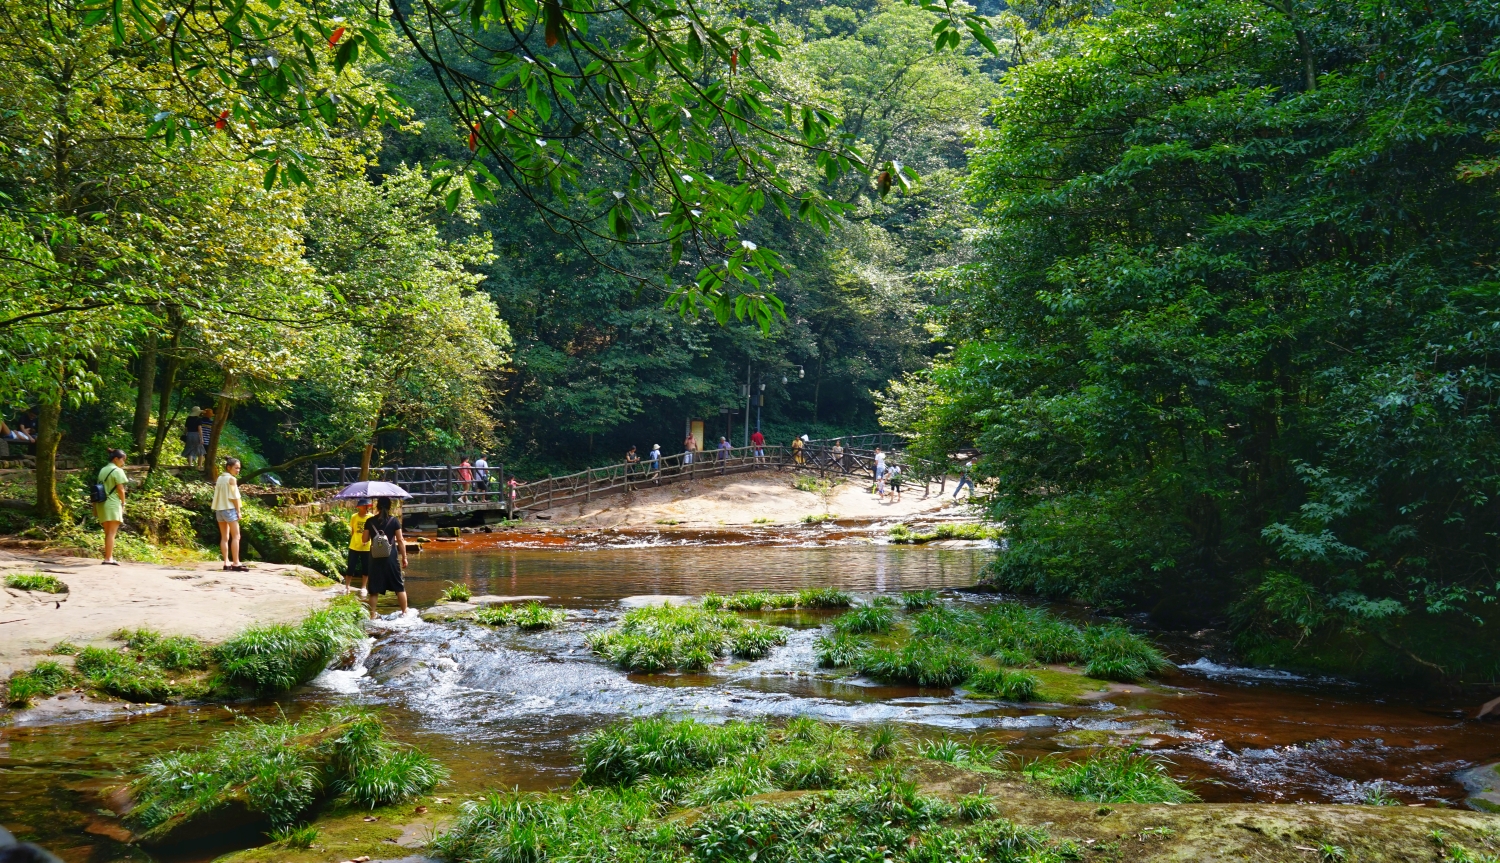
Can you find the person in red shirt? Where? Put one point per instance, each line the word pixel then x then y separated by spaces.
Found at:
pixel 758 441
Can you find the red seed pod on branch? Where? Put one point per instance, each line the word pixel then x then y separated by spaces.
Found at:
pixel 335 37
pixel 223 120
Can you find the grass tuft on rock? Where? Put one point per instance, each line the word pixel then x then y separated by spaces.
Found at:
pixel 37 581
pixel 457 592
pixel 280 770
pixel 682 638
pixel 1110 776
pixel 278 657
pixel 44 680
pixel 534 615
pixel 497 614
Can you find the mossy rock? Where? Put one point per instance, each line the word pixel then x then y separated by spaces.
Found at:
pixel 278 541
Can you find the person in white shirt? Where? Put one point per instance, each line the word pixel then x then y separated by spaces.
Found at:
pixel 482 477
pixel 879 472
pixel 226 509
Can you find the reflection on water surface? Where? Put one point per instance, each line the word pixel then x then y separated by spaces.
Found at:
pixel 502 707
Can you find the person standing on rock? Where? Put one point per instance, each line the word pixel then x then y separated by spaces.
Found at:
pixel 111 511
pixel 359 548
pixel 226 507
pixel 387 555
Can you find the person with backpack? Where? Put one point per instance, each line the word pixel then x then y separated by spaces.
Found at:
pixel 226 507
pixel 109 501
pixel 387 555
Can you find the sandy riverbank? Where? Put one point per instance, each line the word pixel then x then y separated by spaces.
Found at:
pixel 200 600
pixel 756 498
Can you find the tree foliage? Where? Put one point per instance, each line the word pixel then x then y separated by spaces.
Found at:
pixel 1229 347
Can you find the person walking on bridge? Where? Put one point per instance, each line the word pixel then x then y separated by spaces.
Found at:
pixel 656 463
pixel 838 454
pixel 482 477
pixel 724 447
pixel 758 441
pixel 689 444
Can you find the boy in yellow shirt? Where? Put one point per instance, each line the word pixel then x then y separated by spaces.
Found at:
pixel 359 547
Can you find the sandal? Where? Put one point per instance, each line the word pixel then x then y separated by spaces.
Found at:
pixel 110 562
pixel 239 567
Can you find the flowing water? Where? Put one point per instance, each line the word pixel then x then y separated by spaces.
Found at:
pixel 502 708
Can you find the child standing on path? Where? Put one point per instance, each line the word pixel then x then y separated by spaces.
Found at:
pixel 226 508
pixel 359 547
pixel 111 511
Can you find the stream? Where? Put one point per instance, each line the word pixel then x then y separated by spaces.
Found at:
pixel 501 708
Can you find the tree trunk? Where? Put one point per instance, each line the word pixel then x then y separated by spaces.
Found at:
pixel 222 408
pixel 364 459
pixel 145 382
pixel 163 423
pixel 48 435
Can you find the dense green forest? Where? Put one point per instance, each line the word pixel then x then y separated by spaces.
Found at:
pixel 1226 346
pixel 1207 283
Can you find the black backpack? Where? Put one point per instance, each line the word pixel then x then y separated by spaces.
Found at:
pixel 97 494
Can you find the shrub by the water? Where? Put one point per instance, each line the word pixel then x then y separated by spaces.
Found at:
pixel 810 597
pixel 126 676
pixel 45 679
pixel 280 770
pixel 280 656
pixel 688 638
pixel 1111 776
pixel 172 653
pixel 37 581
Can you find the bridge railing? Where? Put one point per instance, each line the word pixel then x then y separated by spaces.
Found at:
pixel 458 488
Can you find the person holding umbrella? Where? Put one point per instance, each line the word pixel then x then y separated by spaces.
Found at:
pixel 387 556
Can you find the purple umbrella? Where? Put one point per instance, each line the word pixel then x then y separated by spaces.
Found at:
pixel 373 489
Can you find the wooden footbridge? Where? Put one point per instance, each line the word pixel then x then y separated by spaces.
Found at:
pixel 457 490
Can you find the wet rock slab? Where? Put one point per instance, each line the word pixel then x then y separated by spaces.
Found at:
pixel 657 599
pixel 69 707
pixel 1483 785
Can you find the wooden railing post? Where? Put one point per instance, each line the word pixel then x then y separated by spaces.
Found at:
pixel 448 472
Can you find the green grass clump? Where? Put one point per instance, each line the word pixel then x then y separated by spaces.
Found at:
pixel 916 600
pixel 1006 684
pixel 1110 776
pixel 1113 652
pixel 278 657
pixel 758 600
pixel 625 752
pixel 295 837
pixel 457 592
pixel 841 650
pixel 497 614
pixel 686 638
pixel 64 648
pixel 534 615
pixel 823 597
pixel 870 618
pixel 902 534
pixel 171 653
pixel 123 675
pixel 281 770
pixel 37 581
pixel 920 663
pixel 44 680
